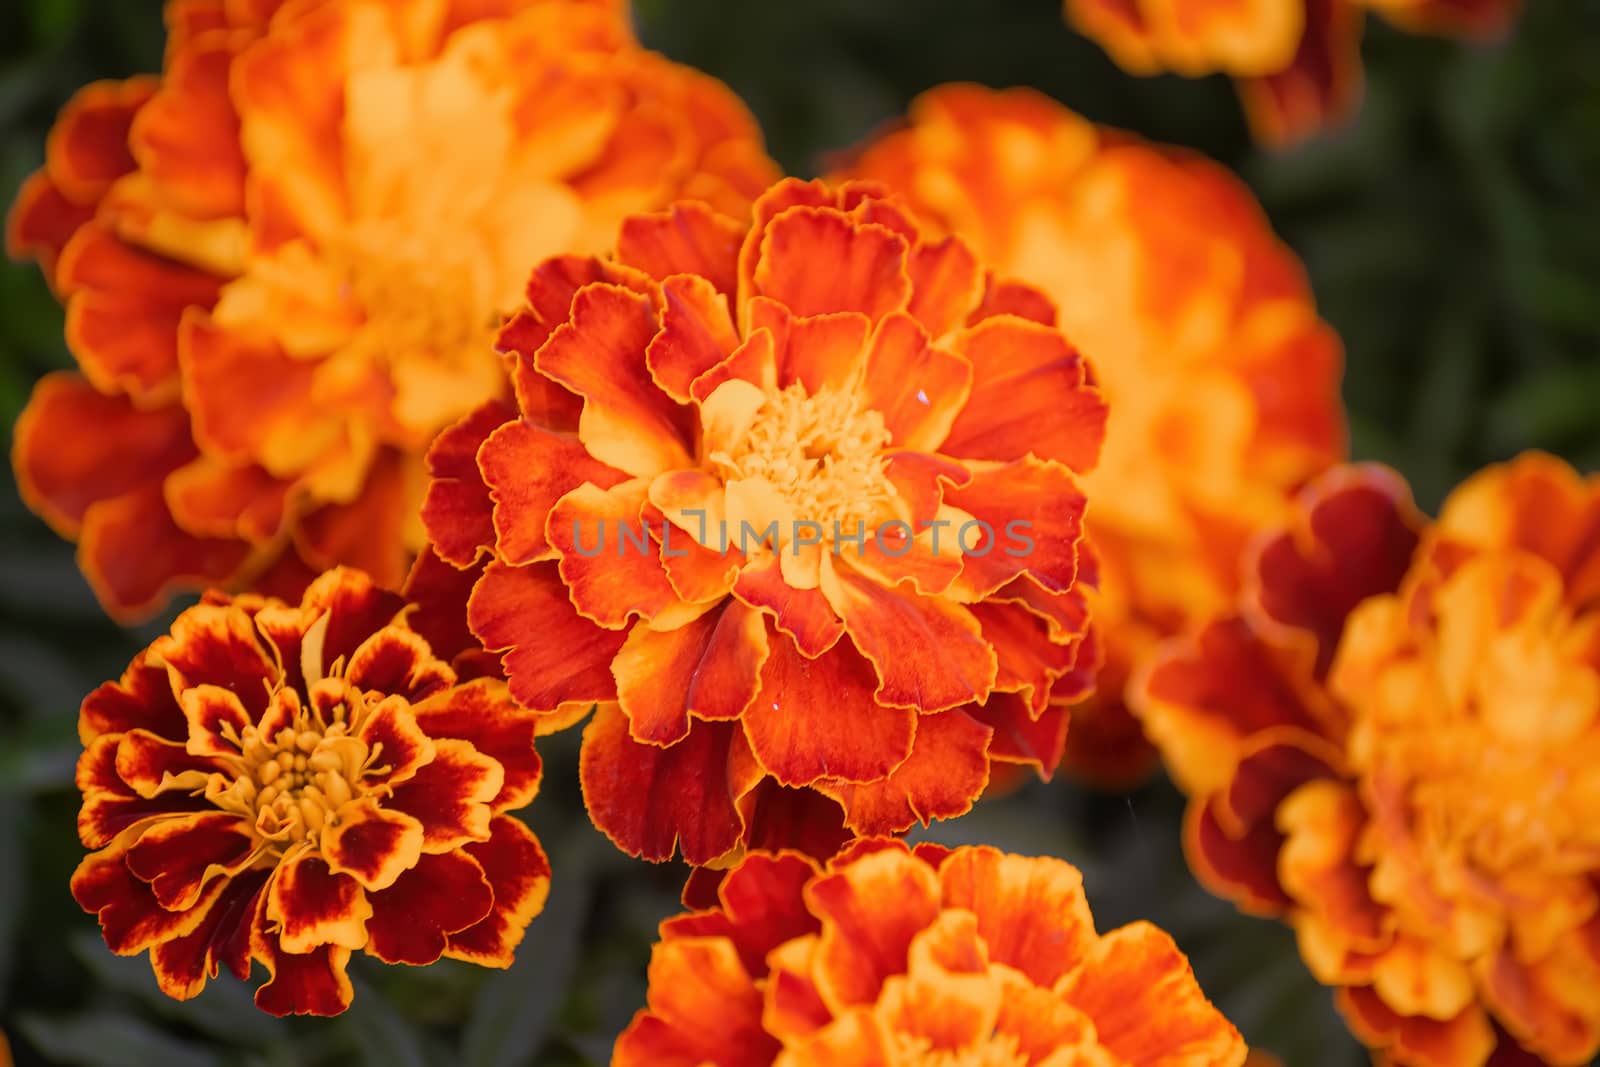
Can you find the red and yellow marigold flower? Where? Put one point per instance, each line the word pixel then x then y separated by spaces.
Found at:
pixel 765 423
pixel 1394 743
pixel 293 783
pixel 283 262
pixel 1297 63
pixel 1223 382
pixel 893 957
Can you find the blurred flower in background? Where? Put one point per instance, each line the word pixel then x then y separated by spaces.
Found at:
pixel 289 784
pixel 830 365
pixel 1222 381
pixel 283 262
pixel 1395 744
pixel 1297 62
pixel 889 955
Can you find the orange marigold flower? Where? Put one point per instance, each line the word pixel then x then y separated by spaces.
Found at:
pixel 1297 63
pixel 283 262
pixel 290 784
pixel 1395 744
pixel 1204 337
pixel 917 958
pixel 760 500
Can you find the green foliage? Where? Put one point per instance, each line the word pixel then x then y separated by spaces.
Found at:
pixel 1452 236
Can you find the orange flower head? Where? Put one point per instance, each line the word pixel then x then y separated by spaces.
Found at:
pixel 292 783
pixel 797 504
pixel 284 261
pixel 917 958
pixel 1395 744
pixel 1223 381
pixel 1297 63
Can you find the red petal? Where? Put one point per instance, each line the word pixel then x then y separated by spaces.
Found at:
pixel 816 718
pixel 371 844
pixel 457 512
pixel 450 796
pixel 651 800
pixel 696 334
pixel 817 260
pixel 180 856
pixel 311 984
pixel 1031 513
pixel 1029 394
pixel 483 714
pixel 41 222
pixel 553 655
pixel 609 555
pixel 709 668
pixel 1032 913
pixel 141 699
pixel 803 614
pixel 918 388
pixel 312 906
pixel 519 874
pixel 870 909
pixel 217 645
pixel 441 895
pixel 929 653
pixel 1321 83
pixel 527 470
pixel 131 919
pixel 183 964
pixel 439 593
pixel 1021 738
pixel 688 238
pixel 397 660
pixel 627 422
pixel 88 147
pixel 946 771
pixel 947 284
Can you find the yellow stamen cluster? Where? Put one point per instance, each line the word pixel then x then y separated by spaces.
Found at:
pixel 414 299
pixel 999 1051
pixel 821 452
pixel 293 783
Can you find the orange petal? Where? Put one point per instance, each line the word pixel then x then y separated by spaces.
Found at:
pixel 599 353
pixel 919 389
pixel 802 820
pixel 610 559
pixel 450 796
pixel 74 446
pixel 816 718
pixel 687 238
pixel 821 351
pixel 457 512
pixel 696 334
pixel 413 918
pixel 650 800
pixel 1243 868
pixel 1029 660
pixel 865 265
pixel 1029 394
pixel 929 653
pixel 804 615
pixel 183 964
pixel 87 148
pixel 368 532
pixel 41 222
pixel 152 766
pixel 110 806
pixel 527 470
pixel 1006 296
pixel 703 1009
pixel 1146 1005
pixel 313 906
pixel 131 919
pixel 187 137
pixel 553 656
pixel 1032 914
pixel 759 908
pixel 212 712
pixel 483 714
pixel 709 668
pixel 947 284
pixel 211 498
pixel 1030 520
pixel 142 697
pixel 871 909
pixel 352 603
pixel 439 593
pixel 519 874
pixel 946 771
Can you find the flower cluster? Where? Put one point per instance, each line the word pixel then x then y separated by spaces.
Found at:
pixel 289 784
pixel 1297 63
pixel 1395 744
pixel 284 260
pixel 926 957
pixel 830 364
pixel 1223 382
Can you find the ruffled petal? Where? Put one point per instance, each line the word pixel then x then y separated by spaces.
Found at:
pixel 456 511
pixel 945 772
pixel 918 388
pixel 371 844
pixel 519 874
pixel 450 796
pixel 483 714
pixel 865 264
pixel 709 668
pixel 413 918
pixel 527 470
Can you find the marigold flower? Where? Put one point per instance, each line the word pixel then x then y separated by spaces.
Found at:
pixel 1223 381
pixel 284 260
pixel 1297 63
pixel 715 515
pixel 291 784
pixel 917 958
pixel 1395 745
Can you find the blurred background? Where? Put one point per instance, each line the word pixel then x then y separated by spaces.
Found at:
pixel 1452 234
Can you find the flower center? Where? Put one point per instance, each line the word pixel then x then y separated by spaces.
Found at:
pixel 413 298
pixel 820 452
pixel 997 1050
pixel 292 783
pixel 1482 729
